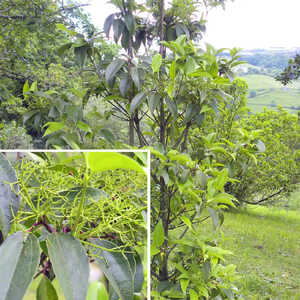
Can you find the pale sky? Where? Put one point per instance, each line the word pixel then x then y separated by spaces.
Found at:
pixel 244 23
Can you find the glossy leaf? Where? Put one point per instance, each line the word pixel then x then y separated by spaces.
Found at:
pixel 112 69
pixel 124 84
pixel 108 23
pixel 130 23
pixel 103 161
pixel 9 201
pixel 137 271
pixel 214 216
pixel 134 72
pixel 46 290
pixel 136 101
pixel 19 259
pixel 153 102
pixel 118 26
pixel 115 266
pixel 70 264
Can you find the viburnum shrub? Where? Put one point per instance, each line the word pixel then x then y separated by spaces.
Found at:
pixel 59 212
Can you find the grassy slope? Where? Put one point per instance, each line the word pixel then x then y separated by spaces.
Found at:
pixel 269 91
pixel 266 246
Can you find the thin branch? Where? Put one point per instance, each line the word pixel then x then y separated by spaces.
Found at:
pixel 266 198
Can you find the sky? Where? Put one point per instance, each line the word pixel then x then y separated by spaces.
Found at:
pixel 244 24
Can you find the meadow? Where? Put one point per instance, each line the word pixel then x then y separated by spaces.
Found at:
pixel 265 243
pixel 271 93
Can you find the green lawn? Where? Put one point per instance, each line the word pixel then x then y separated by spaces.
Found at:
pixel 266 246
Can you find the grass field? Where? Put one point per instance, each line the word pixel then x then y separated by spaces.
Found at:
pixel 270 93
pixel 266 246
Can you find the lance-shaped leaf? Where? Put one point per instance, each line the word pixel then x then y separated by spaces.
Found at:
pixel 9 201
pixel 153 102
pixel 115 267
pixel 46 290
pixel 137 271
pixel 108 23
pixel 130 23
pixel 136 101
pixel 19 258
pixel 156 62
pixel 124 84
pixel 70 265
pixel 112 69
pixel 135 75
pixel 103 161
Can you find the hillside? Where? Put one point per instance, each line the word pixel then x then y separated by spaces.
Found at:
pixel 265 91
pixel 260 70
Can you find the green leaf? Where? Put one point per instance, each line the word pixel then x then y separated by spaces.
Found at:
pixel 118 26
pixel 136 270
pixel 46 290
pixel 156 62
pixel 193 295
pixel 215 218
pixel 28 115
pixel 112 69
pixel 134 72
pixel 103 161
pixel 153 102
pixel 184 284
pixel 97 291
pixel 172 107
pixel 108 23
pixel 124 84
pixel 26 89
pixel 172 71
pixel 158 235
pixel 53 127
pixel 62 49
pixel 19 259
pixel 115 267
pixel 81 54
pixel 9 201
pixel 130 23
pixel 107 135
pixel 83 126
pixel 136 101
pixel 70 264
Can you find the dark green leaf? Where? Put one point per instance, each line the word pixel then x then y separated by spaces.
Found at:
pixel 134 72
pixel 19 259
pixel 108 23
pixel 62 49
pixel 124 84
pixel 46 290
pixel 172 107
pixel 70 265
pixel 125 39
pixel 182 29
pixel 136 101
pixel 113 68
pixel 80 54
pixel 107 135
pixel 9 201
pixel 130 23
pixel 137 271
pixel 215 218
pixel 118 26
pixel 115 267
pixel 154 101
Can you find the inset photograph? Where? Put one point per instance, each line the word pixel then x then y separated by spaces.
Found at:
pixel 73 225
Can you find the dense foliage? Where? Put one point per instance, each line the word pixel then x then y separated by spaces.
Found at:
pixel 61 211
pixel 154 87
